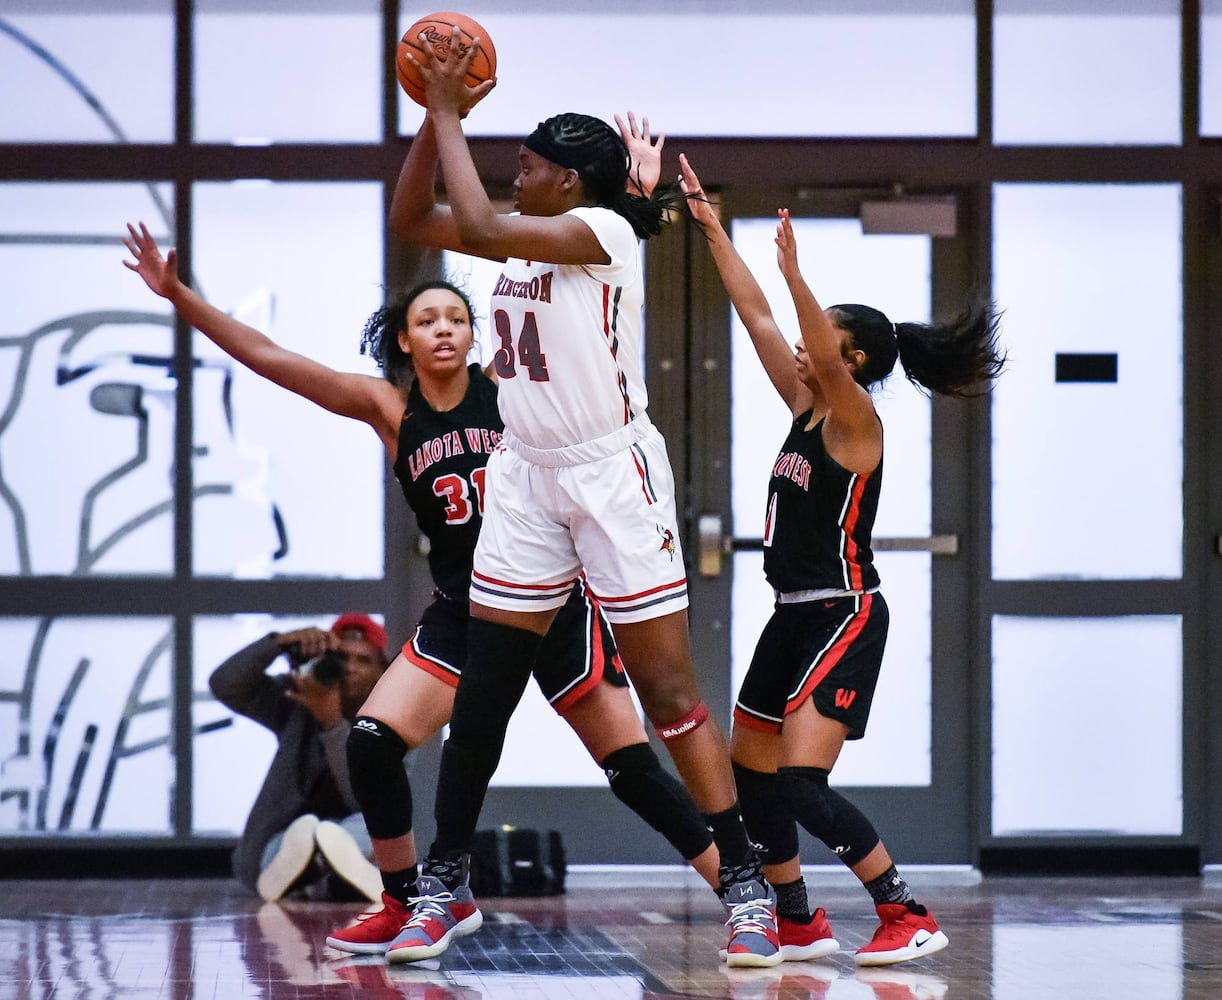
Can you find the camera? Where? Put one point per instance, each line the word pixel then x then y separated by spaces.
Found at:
pixel 327 669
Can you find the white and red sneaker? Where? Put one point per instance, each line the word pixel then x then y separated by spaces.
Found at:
pixel 903 935
pixel 806 942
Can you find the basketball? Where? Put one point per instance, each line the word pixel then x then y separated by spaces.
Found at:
pixel 434 30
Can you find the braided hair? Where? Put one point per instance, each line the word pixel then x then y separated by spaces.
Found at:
pixel 959 358
pixel 597 152
pixel 380 337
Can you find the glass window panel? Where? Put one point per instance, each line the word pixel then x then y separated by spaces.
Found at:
pixel 85 368
pixel 1062 971
pixel 1061 763
pixel 891 273
pixel 231 752
pixel 1211 67
pixel 1091 270
pixel 289 74
pixel 921 79
pixel 902 700
pixel 303 263
pixel 86 91
pixel 542 751
pixel 85 725
pixel 1086 72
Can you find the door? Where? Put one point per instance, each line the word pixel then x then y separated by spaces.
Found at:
pixel 912 772
pixel 723 424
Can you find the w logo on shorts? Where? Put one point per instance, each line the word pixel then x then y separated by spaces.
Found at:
pixel 844 698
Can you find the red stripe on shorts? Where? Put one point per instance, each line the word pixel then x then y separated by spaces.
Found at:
pixel 833 655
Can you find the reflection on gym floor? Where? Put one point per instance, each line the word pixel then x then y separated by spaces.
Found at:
pixel 1011 939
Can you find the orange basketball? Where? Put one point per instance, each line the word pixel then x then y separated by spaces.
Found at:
pixel 435 30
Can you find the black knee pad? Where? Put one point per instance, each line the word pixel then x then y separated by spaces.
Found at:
pixel 379 782
pixel 770 822
pixel 640 782
pixel 827 814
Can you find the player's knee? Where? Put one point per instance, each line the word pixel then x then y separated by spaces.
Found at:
pixel 640 782
pixel 674 726
pixel 769 820
pixel 379 781
pixel 827 814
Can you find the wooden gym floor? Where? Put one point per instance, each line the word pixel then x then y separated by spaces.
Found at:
pixel 1011 938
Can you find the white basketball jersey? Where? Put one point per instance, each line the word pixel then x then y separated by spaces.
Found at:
pixel 569 336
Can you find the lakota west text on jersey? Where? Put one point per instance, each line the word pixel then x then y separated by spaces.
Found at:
pixel 479 440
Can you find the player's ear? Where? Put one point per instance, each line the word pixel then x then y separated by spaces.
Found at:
pixel 570 179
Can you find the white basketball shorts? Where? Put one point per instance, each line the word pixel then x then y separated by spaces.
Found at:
pixel 613 518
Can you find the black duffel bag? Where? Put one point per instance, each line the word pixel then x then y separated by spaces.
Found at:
pixel 511 861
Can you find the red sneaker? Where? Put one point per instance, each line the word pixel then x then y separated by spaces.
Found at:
pixel 902 936
pixel 374 931
pixel 806 942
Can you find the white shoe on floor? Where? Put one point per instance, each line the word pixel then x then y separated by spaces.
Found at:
pixel 345 858
pixel 295 854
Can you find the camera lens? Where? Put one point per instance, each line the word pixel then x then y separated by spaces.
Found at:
pixel 327 669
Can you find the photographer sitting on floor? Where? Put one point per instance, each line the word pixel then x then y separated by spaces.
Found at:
pixel 305 831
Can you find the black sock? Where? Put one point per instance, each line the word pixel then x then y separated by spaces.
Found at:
pixel 730 836
pixel 401 884
pixel 889 887
pixel 792 902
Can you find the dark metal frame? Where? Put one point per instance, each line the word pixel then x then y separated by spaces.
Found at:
pixel 681 297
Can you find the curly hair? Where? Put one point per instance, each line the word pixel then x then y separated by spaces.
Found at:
pixel 380 337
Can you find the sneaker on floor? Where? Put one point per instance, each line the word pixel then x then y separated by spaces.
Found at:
pixel 372 932
pixel 750 906
pixel 438 914
pixel 903 935
pixel 806 942
pixel 294 856
pixel 347 860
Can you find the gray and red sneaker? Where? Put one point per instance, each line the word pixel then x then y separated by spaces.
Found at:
pixel 751 916
pixel 438 915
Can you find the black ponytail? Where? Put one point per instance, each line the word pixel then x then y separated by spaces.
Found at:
pixel 960 358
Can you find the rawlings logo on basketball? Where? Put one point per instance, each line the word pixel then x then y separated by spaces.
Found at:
pixel 432 35
pixel 668 541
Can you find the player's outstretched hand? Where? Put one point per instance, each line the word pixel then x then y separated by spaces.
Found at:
pixel 644 152
pixel 159 273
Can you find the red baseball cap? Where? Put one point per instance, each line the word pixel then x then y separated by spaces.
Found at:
pixel 371 631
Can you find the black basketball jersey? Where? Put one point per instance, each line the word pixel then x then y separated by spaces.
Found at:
pixel 441 469
pixel 817 531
